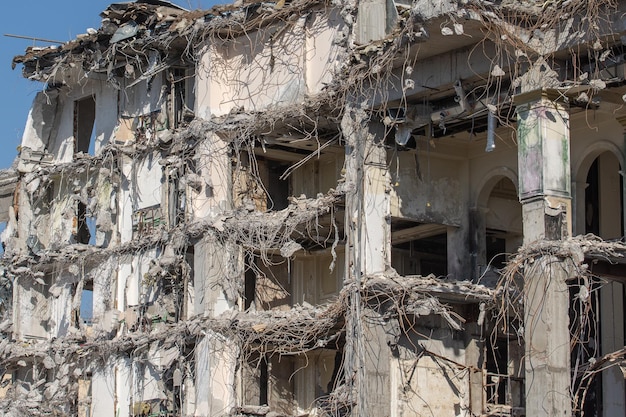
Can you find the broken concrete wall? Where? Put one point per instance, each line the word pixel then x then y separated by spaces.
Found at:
pixel 105 306
pixel 148 387
pixel 140 98
pixel 65 290
pixel 216 367
pixel 147 179
pixel 62 141
pixel 274 65
pixel 69 208
pixel 317 176
pixel 316 377
pixel 427 187
pixel 41 121
pixel 313 280
pixel 214 194
pixel 140 202
pixel 325 31
pixel 218 280
pixel 428 372
pixel 273 287
pixel 254 86
pixel 112 385
pixel 32 315
pixel 253 72
pixel 63 218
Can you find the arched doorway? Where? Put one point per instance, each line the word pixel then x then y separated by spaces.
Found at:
pixel 497 222
pixel 603 198
pixel 601 213
pixel 500 233
pixel 503 223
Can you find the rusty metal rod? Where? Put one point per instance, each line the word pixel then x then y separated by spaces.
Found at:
pixel 32 38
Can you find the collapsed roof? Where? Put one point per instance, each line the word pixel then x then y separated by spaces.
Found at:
pixel 131 29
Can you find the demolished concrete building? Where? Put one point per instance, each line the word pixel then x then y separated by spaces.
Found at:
pixel 372 208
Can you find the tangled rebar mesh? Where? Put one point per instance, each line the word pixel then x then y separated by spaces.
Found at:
pixel 577 253
pixel 366 72
pixel 297 331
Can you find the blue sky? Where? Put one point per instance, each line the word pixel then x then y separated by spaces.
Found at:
pixel 58 20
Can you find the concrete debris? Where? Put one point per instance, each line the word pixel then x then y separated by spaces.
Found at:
pixel 285 209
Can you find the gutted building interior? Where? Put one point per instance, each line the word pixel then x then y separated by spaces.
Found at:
pixel 321 208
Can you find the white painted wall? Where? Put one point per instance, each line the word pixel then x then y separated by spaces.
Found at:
pixel 147 181
pixel 437 387
pixel 103 389
pixel 215 169
pixel 216 364
pixel 255 73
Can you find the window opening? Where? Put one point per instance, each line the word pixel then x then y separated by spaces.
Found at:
pixel 3 226
pixel 81 228
pixel 86 304
pixel 496 249
pixel 419 248
pixel 250 288
pixel 91 227
pixel 84 125
pixel 278 189
pixel 585 328
pixel 263 382
pixel 592 201
pixel 181 90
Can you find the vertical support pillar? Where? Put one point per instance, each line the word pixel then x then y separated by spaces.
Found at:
pixel 545 194
pixel 367 357
pixel 478 241
pixel 544 166
pixel 368 202
pixel 458 238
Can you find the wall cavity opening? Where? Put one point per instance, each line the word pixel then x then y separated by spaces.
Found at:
pixel 147 220
pixel 3 226
pixel 278 189
pixel 499 228
pixel 250 289
pixel 86 304
pixel 81 228
pixel 604 217
pixel 496 248
pixel 182 83
pixel 84 125
pixel 419 248
pixel 504 386
pixel 604 198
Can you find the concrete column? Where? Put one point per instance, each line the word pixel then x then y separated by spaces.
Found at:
pixel 368 203
pixel 544 166
pixel 544 191
pixel 459 237
pixel 478 242
pixel 367 357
